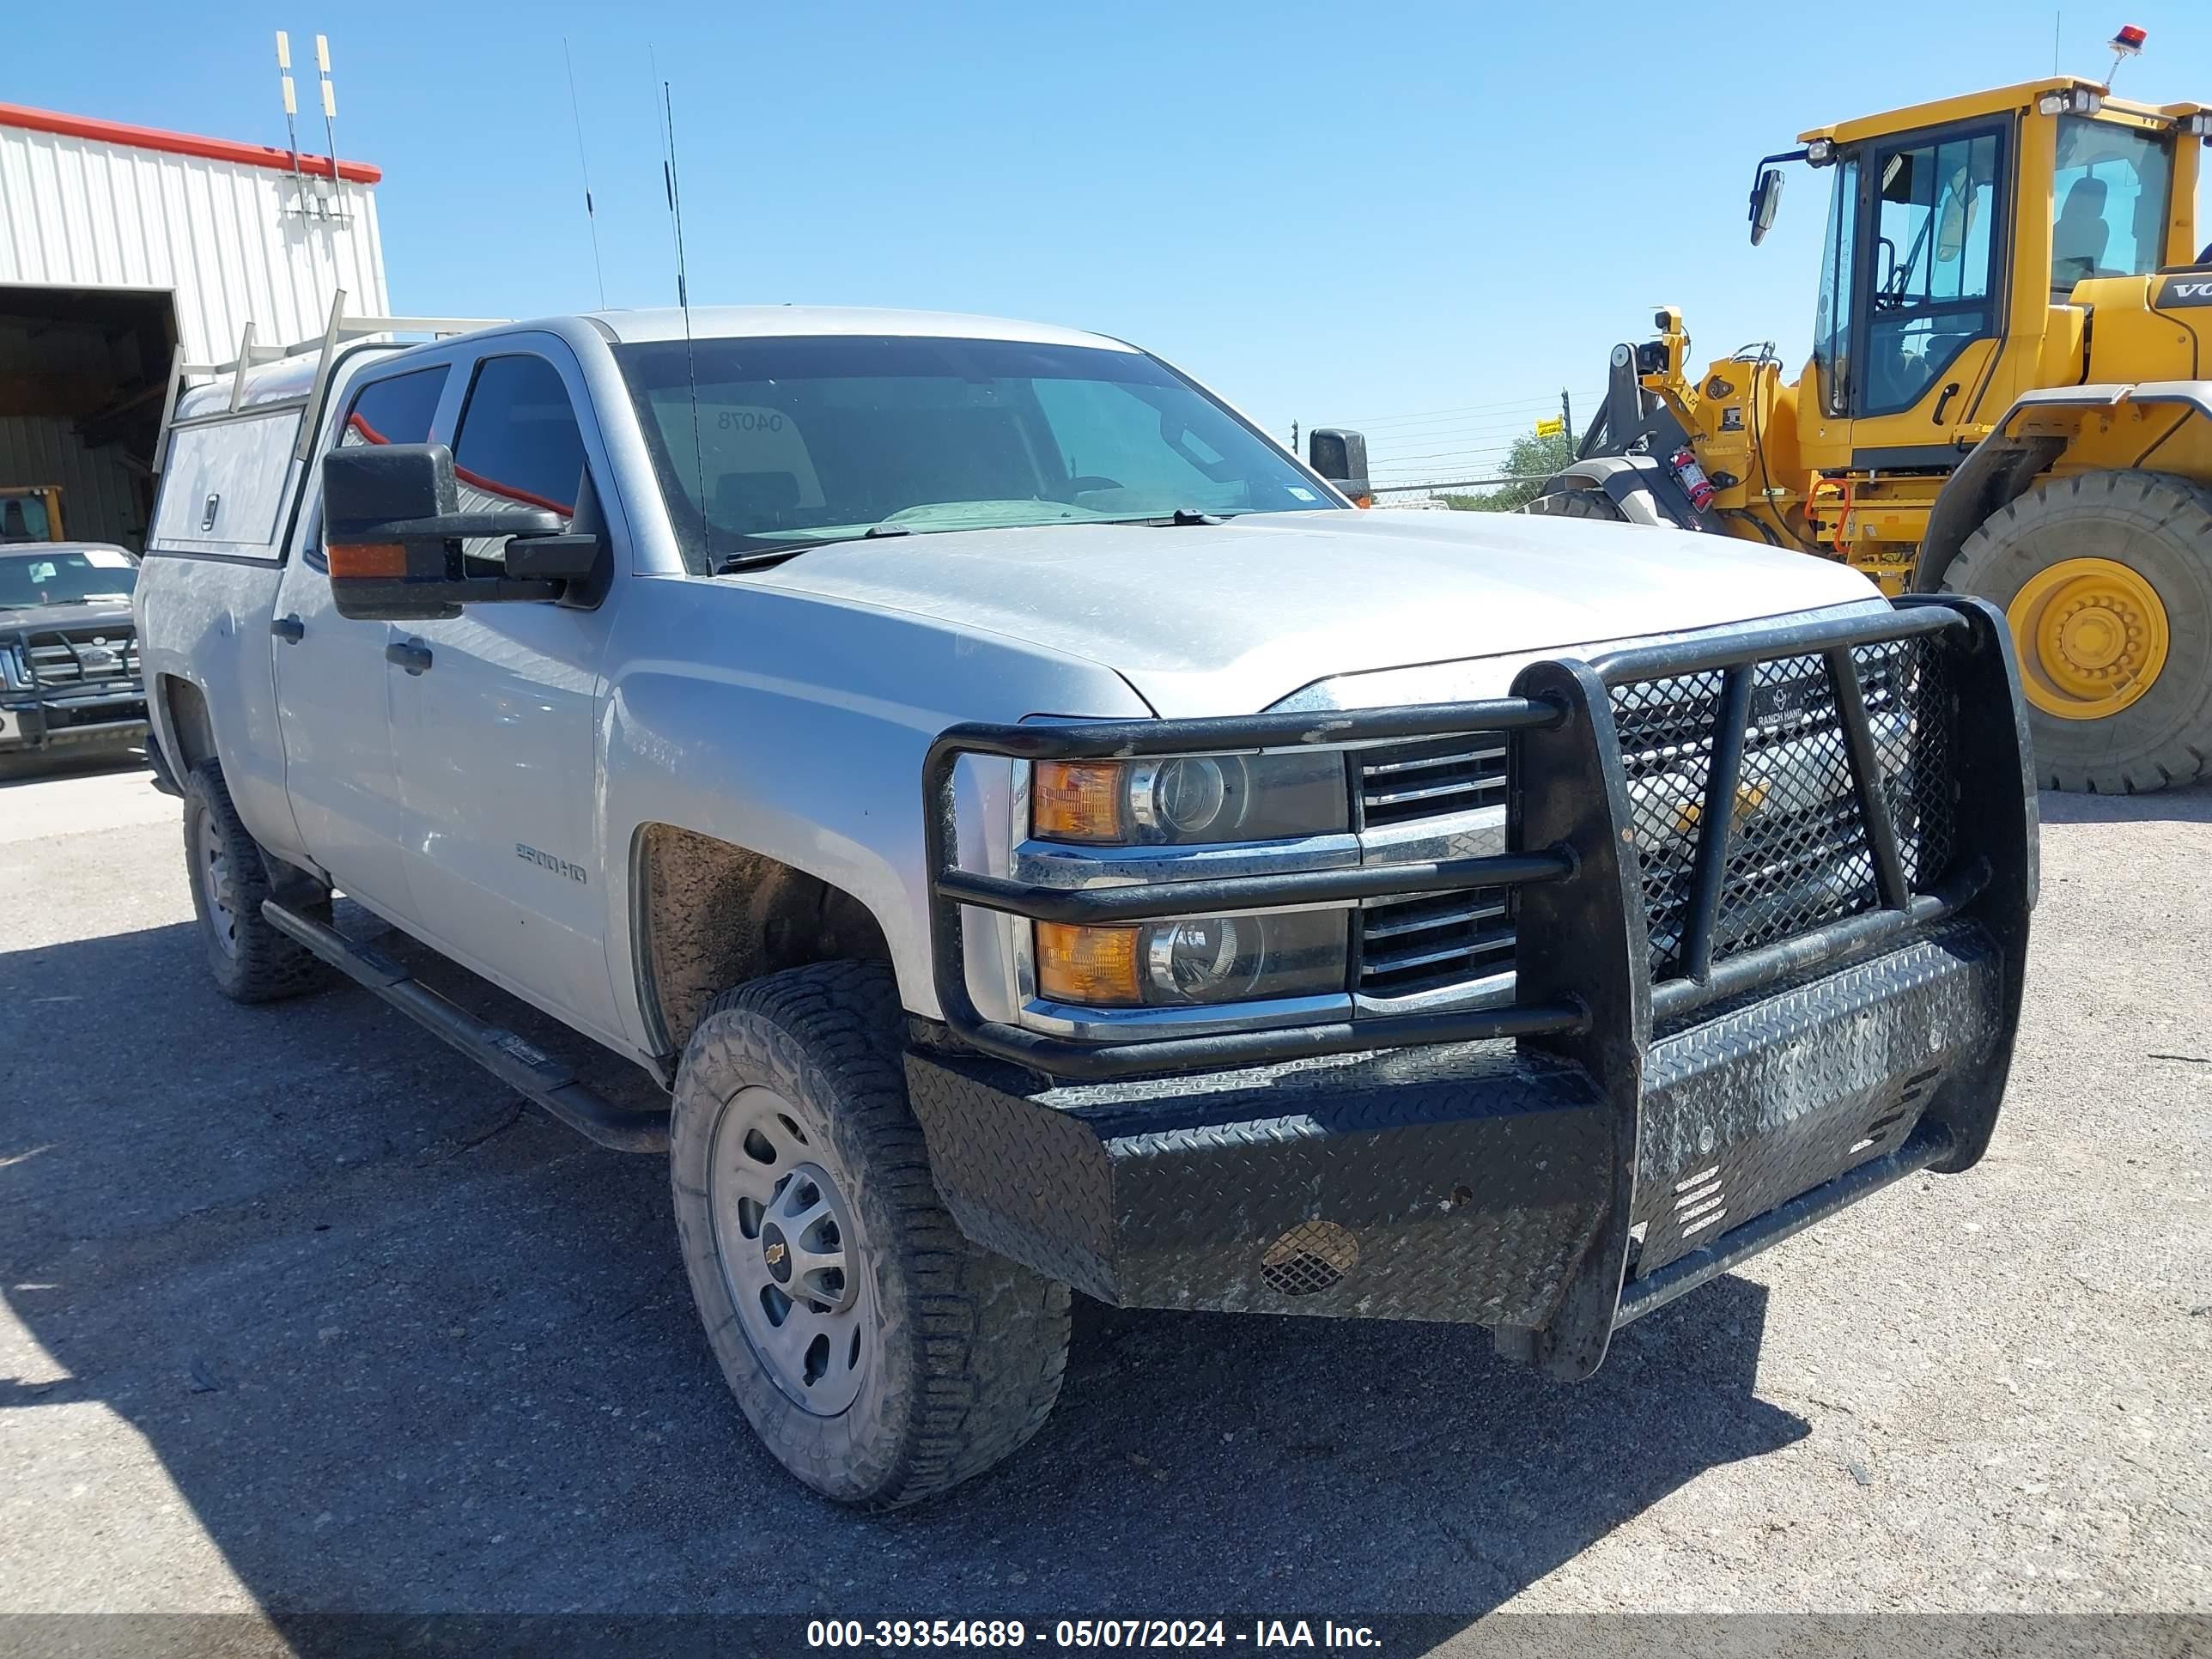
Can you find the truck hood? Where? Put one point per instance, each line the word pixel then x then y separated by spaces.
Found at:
pixel 1226 618
pixel 68 616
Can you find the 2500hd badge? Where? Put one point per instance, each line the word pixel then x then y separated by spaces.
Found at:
pixel 547 861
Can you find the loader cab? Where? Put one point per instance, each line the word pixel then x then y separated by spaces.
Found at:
pixel 1956 233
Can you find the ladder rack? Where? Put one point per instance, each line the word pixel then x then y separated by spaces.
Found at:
pixel 342 330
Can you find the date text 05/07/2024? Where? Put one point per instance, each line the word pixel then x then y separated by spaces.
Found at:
pixel 1259 1634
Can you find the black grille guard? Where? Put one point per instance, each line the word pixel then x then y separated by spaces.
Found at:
pixel 1586 983
pixel 118 682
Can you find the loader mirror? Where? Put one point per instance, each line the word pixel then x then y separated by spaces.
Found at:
pixel 1340 457
pixel 1766 202
pixel 393 534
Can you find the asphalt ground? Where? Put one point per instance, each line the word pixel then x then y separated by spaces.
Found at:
pixel 304 1315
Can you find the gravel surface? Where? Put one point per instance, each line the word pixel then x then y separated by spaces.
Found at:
pixel 304 1313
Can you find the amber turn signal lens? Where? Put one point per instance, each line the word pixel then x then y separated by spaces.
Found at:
pixel 1076 800
pixel 373 559
pixel 1097 966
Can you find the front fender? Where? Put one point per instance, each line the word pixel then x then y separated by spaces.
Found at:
pixel 2038 428
pixel 796 727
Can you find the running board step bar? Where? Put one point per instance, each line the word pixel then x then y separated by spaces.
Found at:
pixel 550 1082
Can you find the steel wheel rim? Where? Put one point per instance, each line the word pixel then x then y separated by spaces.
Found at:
pixel 790 1260
pixel 2092 635
pixel 212 868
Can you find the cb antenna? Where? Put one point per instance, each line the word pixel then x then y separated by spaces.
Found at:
pixel 684 294
pixel 591 218
pixel 330 120
pixel 291 114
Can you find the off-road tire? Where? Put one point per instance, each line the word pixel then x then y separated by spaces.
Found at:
pixel 1576 504
pixel 262 965
pixel 2159 526
pixel 967 1347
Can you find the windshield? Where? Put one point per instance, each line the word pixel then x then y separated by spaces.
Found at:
pixel 65 576
pixel 801 440
pixel 2110 192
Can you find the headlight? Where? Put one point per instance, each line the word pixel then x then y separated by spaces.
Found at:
pixel 1185 798
pixel 1193 959
pixel 12 671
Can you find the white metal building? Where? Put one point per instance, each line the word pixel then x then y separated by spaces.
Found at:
pixel 125 249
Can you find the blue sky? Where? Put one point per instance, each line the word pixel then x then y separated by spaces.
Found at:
pixel 1329 212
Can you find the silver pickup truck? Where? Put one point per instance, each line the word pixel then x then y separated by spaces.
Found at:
pixel 1041 836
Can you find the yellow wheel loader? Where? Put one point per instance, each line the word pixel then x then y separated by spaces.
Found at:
pixel 30 513
pixel 2009 395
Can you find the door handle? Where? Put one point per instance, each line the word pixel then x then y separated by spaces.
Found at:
pixel 1944 403
pixel 290 630
pixel 412 655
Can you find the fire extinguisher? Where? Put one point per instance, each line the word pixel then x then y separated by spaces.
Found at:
pixel 1691 477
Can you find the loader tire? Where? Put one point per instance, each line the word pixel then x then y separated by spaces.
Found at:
pixel 917 1360
pixel 2106 580
pixel 252 962
pixel 1576 504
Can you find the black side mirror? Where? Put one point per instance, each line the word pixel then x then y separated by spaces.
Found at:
pixel 1766 202
pixel 1340 457
pixel 393 531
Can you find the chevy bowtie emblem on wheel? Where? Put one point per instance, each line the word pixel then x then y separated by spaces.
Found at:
pixel 774 1255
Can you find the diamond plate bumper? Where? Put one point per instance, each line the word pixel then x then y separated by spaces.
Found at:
pixel 1635 1122
pixel 1466 1182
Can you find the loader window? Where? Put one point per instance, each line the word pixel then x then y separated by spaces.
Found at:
pixel 1932 263
pixel 2110 193
pixel 1832 323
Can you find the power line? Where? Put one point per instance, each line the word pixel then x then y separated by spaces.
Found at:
pixel 1413 429
pixel 1515 406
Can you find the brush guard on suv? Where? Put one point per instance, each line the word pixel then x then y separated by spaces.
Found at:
pixel 59 689
pixel 1768 960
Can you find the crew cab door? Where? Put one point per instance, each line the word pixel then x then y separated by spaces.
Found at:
pixel 494 725
pixel 333 684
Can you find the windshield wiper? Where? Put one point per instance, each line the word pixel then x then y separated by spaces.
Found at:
pixel 761 561
pixel 1182 516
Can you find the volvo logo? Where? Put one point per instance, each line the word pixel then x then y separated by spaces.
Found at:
pixel 2185 291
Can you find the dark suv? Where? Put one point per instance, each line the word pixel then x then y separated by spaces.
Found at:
pixel 68 651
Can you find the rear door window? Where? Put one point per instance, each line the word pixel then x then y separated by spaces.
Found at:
pixel 398 410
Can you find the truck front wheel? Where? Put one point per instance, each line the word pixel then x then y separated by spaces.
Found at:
pixel 252 962
pixel 881 1357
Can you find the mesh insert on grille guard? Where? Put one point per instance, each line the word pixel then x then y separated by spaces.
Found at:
pixel 1798 856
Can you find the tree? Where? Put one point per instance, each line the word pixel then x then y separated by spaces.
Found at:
pixel 1530 461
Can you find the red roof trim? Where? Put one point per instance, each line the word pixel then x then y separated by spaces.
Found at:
pixel 181 143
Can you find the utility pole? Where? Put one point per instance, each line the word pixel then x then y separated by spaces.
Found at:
pixel 1567 414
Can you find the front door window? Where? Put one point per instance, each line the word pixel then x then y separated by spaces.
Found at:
pixel 1832 323
pixel 1933 263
